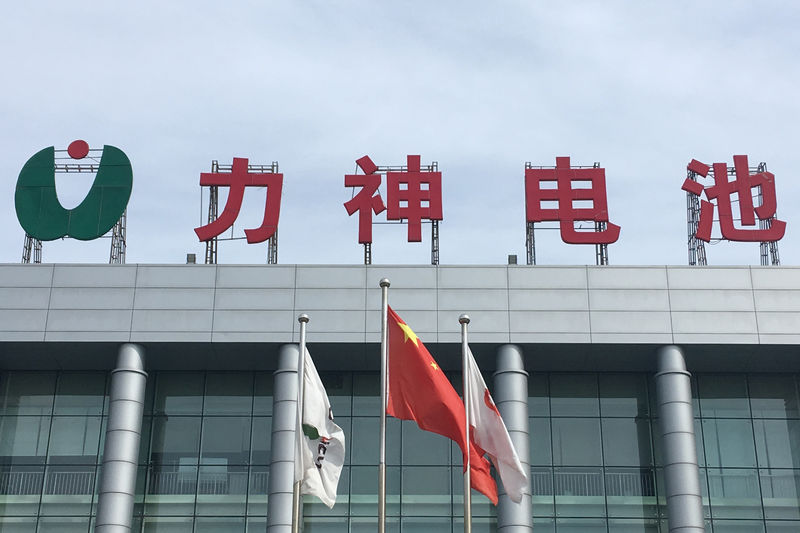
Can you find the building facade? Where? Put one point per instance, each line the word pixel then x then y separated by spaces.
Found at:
pixel 604 427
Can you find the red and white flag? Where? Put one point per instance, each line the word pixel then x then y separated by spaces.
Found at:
pixel 491 435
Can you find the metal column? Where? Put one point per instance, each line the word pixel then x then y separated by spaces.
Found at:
pixel 681 475
pixel 511 398
pixel 284 414
pixel 121 451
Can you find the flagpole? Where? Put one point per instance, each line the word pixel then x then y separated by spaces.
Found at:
pixel 298 432
pixel 384 350
pixel 464 320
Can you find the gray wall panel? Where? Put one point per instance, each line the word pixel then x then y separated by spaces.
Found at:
pixel 92 298
pixel 537 277
pixel 256 299
pixel 402 277
pixel 172 320
pixel 249 320
pixel 548 300
pixel 630 322
pixel 486 277
pixel 711 300
pixel 89 320
pixel 627 278
pixel 23 320
pixel 255 276
pixel 169 298
pixel 176 276
pixel 709 278
pixel 26 275
pixel 343 299
pixel 629 300
pixel 24 297
pixel 91 276
pixel 260 303
pixel 313 277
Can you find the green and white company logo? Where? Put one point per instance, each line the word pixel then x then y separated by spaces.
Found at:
pixel 43 217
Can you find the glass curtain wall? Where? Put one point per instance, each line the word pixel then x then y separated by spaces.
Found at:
pixel 204 459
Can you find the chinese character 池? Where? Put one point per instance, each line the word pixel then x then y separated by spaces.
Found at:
pixel 742 186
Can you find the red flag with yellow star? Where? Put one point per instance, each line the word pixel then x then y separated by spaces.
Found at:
pixel 418 390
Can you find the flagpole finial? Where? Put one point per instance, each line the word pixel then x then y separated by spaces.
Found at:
pixel 463 319
pixel 303 318
pixel 385 282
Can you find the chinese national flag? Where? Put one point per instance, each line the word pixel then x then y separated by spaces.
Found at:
pixel 419 391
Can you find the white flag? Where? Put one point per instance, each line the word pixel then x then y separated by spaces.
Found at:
pixel 491 435
pixel 322 441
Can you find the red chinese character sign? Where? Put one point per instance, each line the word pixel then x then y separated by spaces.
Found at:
pixel 561 186
pixel 725 192
pixel 241 176
pixel 413 194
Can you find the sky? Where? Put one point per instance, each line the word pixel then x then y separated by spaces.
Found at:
pixel 479 87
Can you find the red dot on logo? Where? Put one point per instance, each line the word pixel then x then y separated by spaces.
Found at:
pixel 78 149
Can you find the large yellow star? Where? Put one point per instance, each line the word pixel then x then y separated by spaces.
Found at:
pixel 408 333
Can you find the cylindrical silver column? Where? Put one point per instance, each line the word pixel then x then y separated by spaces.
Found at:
pixel 511 397
pixel 284 414
pixel 121 451
pixel 681 476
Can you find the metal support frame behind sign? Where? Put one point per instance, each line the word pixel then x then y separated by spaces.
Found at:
pixel 768 249
pixel 213 213
pixel 118 241
pixel 31 249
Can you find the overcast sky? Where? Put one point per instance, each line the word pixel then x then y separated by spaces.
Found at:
pixel 479 87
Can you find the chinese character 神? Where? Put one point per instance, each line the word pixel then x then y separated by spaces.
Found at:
pixel 741 186
pixel 413 195
pixel 564 192
pixel 364 202
pixel 237 179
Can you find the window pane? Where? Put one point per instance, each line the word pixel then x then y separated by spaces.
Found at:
pixel 167 524
pixel 734 493
pixel 579 492
pixel 618 525
pixel 339 387
pixel 228 393
pixel 226 440
pixel 631 492
pixel 221 490
pixel 68 490
pixel 364 490
pixel 366 439
pixel 324 525
pixel 780 491
pixel 723 396
pixel 80 393
pixel 17 525
pixel 426 491
pixel 423 447
pixel 258 487
pixel 574 395
pixel 27 393
pixel 623 395
pixel 541 482
pixel 63 525
pixel 179 393
pixel 626 442
pixel 215 525
pixel 366 394
pixel 729 443
pixel 261 443
pixel 778 443
pixel 738 526
pixel 74 439
pixel 538 395
pixel 262 402
pixel 576 441
pixel 20 489
pixel 541 449
pixel 773 396
pixel 783 527
pixel 23 439
pixel 171 490
pixel 176 440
